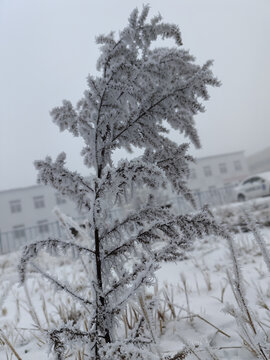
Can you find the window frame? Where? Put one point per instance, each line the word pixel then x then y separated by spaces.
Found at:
pixel 39 201
pixel 192 174
pixel 207 170
pixel 43 227
pixel 237 165
pixel 59 199
pixel 19 232
pixel 15 206
pixel 223 168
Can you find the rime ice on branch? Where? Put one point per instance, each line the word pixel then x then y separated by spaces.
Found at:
pixel 140 88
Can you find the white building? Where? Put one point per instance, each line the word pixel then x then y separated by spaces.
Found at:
pixel 27 214
pixel 32 206
pixel 218 171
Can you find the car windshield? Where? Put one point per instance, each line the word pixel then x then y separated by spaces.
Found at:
pixel 252 180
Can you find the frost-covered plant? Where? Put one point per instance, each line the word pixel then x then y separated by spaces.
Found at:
pixel 258 237
pixel 254 336
pixel 140 89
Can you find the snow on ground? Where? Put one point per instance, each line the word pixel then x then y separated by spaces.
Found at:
pixel 205 273
pixel 197 287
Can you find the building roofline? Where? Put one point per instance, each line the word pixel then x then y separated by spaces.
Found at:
pixel 22 188
pixel 219 155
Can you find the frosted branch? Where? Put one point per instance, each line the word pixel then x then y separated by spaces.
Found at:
pixel 51 246
pixel 60 286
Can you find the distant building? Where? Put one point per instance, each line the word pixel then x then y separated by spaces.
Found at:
pixel 259 162
pixel 31 207
pixel 218 171
pixel 27 213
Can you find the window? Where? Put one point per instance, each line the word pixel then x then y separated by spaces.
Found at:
pixel 15 206
pixel 257 179
pixel 192 174
pixel 19 232
pixel 207 171
pixel 223 168
pixel 237 165
pixel 39 202
pixel 59 199
pixel 246 182
pixel 43 226
pixel 252 180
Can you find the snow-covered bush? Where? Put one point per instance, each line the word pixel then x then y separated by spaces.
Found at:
pixel 141 88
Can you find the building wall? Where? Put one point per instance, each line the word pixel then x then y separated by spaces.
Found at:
pixel 218 171
pixel 259 162
pixel 30 215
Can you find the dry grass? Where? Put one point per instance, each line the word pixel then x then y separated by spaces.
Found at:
pixel 164 312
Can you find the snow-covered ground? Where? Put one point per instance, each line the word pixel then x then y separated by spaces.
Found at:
pixel 194 294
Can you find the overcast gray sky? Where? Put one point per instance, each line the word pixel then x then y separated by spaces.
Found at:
pixel 47 48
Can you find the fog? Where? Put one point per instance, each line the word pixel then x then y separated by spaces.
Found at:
pixel 48 48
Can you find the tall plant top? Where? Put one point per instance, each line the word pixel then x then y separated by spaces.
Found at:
pixel 140 90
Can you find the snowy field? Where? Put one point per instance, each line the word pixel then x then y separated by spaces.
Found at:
pixel 197 311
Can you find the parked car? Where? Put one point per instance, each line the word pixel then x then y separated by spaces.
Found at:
pixel 254 186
